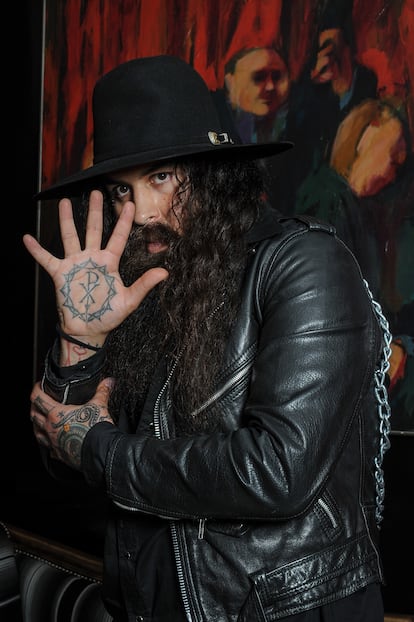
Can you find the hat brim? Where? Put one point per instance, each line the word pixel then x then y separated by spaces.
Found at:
pixel 77 183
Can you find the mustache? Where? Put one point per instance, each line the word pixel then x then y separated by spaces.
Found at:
pixel 135 259
pixel 151 232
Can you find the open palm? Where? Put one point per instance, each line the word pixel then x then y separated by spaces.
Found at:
pixel 91 297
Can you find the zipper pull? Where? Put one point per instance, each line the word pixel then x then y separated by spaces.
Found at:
pixel 201 525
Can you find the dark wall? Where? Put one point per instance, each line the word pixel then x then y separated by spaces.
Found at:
pixel 22 124
pixel 397 528
pixel 29 498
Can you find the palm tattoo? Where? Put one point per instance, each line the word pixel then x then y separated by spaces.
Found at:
pixel 82 284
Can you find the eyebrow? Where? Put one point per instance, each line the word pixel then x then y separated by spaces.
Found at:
pixel 146 171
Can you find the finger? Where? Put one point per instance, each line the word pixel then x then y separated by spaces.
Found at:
pixel 68 232
pixel 122 229
pixel 36 390
pixel 94 222
pixel 41 437
pixel 103 392
pixel 43 441
pixel 41 403
pixel 145 284
pixel 101 399
pixel 40 407
pixel 45 259
pixel 38 421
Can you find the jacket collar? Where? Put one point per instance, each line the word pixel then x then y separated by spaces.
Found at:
pixel 266 226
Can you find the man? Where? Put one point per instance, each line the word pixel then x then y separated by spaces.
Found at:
pixel 255 100
pixel 331 84
pixel 221 386
pixel 256 89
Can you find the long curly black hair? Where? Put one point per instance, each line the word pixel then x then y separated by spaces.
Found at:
pixel 188 316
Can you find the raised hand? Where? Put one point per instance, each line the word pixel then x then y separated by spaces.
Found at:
pixel 323 71
pixel 91 297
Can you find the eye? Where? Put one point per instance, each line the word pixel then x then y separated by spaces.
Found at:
pixel 160 177
pixel 121 192
pixel 276 76
pixel 259 77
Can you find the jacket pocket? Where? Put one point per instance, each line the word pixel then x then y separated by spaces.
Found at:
pixel 328 516
pixel 228 528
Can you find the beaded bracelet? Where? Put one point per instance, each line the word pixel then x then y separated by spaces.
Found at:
pixel 75 341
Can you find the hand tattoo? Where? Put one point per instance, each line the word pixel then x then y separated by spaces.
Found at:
pixel 72 429
pixel 80 285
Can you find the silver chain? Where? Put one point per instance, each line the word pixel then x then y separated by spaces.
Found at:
pixel 384 410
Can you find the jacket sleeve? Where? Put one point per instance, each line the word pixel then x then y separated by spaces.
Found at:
pixel 316 346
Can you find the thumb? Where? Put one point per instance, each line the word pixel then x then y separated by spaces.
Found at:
pixel 104 389
pixel 146 282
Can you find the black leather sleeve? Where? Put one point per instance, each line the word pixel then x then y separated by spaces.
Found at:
pixel 75 384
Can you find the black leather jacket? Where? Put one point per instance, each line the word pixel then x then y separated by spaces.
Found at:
pixel 277 514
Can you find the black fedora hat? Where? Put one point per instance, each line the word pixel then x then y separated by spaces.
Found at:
pixel 149 110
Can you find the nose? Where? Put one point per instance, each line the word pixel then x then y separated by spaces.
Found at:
pixel 143 217
pixel 146 210
pixel 270 84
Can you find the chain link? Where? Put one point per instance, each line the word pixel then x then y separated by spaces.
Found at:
pixel 384 410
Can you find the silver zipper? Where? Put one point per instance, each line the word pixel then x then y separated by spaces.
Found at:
pixel 158 434
pixel 180 573
pixel 157 417
pixel 216 396
pixel 201 528
pixel 328 511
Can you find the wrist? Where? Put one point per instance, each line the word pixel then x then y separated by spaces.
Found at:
pixel 81 342
pixel 72 384
pixel 74 349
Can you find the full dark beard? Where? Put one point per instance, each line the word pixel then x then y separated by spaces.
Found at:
pixel 178 315
pixel 134 348
pixel 133 352
pixel 135 259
